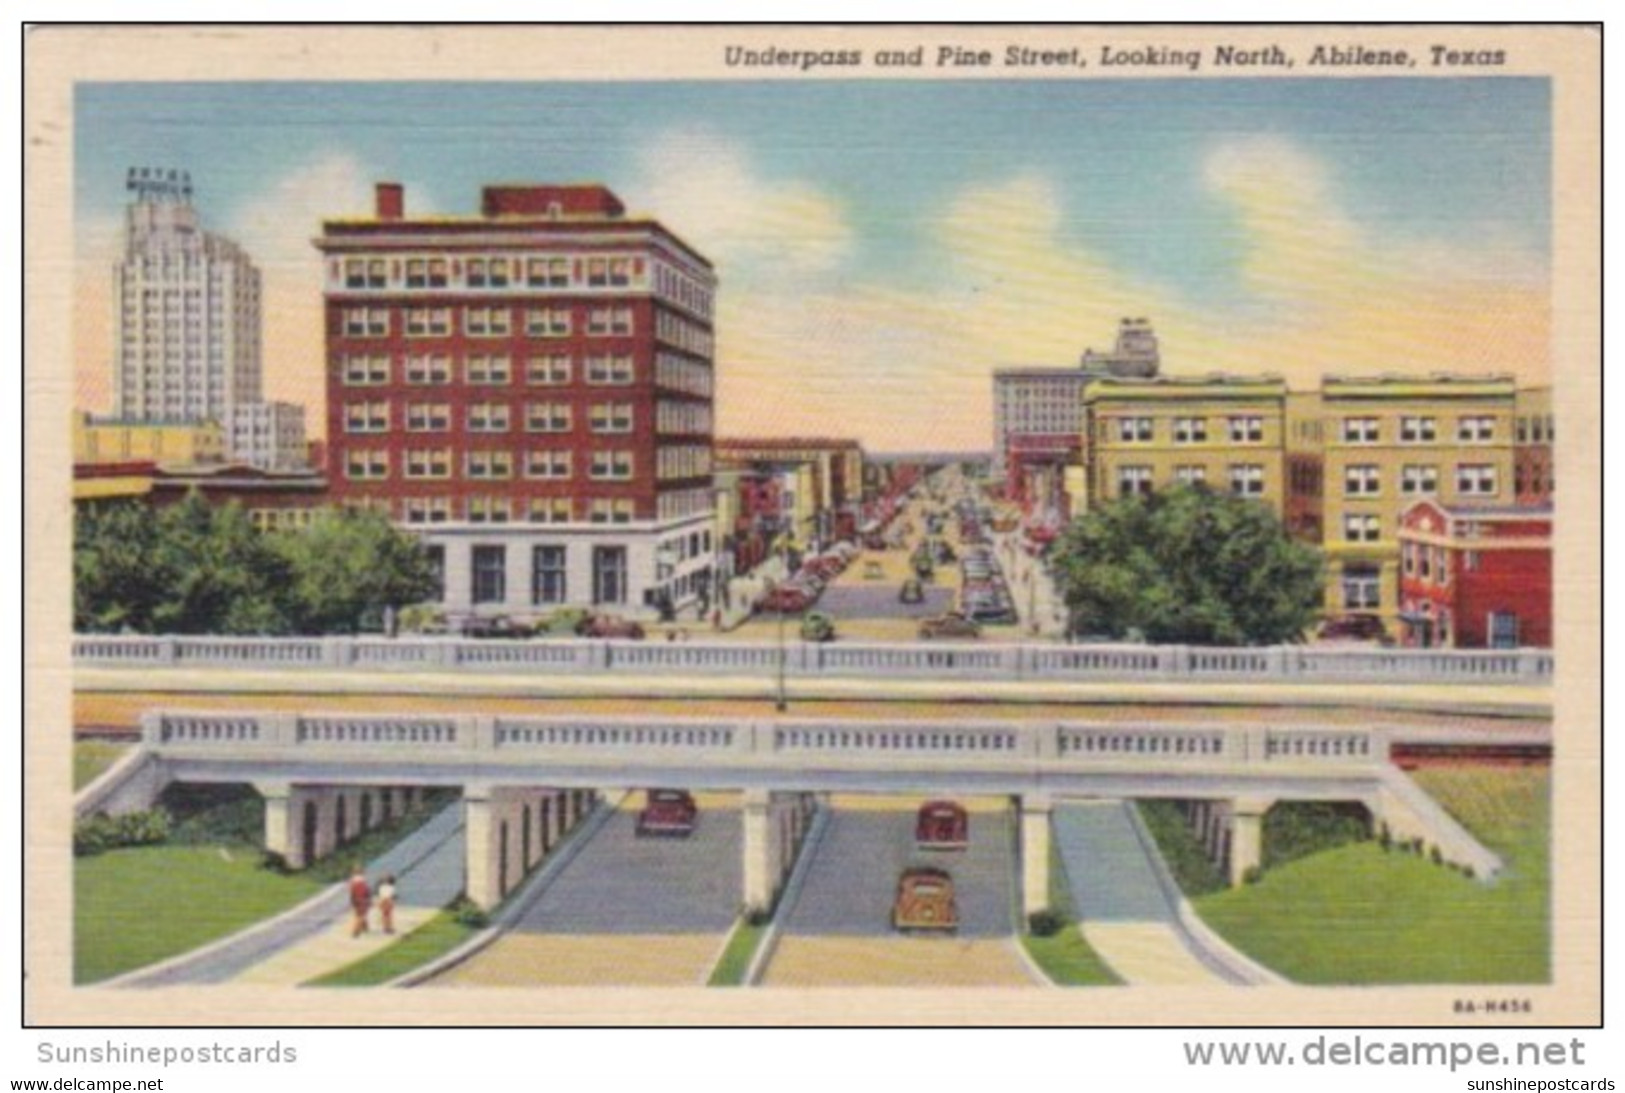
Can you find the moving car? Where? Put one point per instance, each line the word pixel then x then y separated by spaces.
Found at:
pixel 668 812
pixel 1354 628
pixel 787 598
pixel 817 626
pixel 912 591
pixel 942 825
pixel 609 626
pixel 951 625
pixel 494 626
pixel 925 901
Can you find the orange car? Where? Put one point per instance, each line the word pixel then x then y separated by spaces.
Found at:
pixel 942 825
pixel 925 901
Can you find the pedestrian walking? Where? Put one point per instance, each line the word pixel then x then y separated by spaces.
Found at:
pixel 360 901
pixel 386 903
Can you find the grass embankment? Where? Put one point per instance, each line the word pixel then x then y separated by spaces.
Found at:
pixel 91 758
pixel 1360 914
pixel 136 906
pixel 1064 956
pixel 737 954
pixel 430 941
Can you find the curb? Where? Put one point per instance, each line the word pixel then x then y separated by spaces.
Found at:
pixel 787 900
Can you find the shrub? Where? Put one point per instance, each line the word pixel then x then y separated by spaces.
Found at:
pixel 274 862
pixel 470 914
pixel 101 832
pixel 1436 855
pixel 1297 829
pixel 1252 875
pixel 1385 838
pixel 1045 923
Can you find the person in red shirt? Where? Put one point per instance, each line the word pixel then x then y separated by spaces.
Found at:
pixel 360 901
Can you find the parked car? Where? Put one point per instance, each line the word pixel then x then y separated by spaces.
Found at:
pixel 912 591
pixel 1354 628
pixel 670 812
pixel 873 571
pixel 925 901
pixel 817 626
pixel 609 626
pixel 786 598
pixel 949 626
pixel 942 825
pixel 493 626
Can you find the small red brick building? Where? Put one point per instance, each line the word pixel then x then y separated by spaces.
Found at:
pixel 1474 577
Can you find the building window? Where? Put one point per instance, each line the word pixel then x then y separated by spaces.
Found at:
pixel 1134 430
pixel 364 273
pixel 548 272
pixel 547 322
pixel 487 322
pixel 1475 430
pixel 496 464
pixel 1469 561
pixel 1503 630
pixel 1190 430
pixel 550 371
pixel 490 574
pixel 364 465
pixel 548 575
pixel 435 555
pixel 611 466
pixel 366 371
pixel 613 369
pixel 547 464
pixel 427 417
pixel 611 417
pixel 428 369
pixel 1362 480
pixel 489 510
pixel 1247 479
pixel 1407 558
pixel 1246 430
pixel 428 510
pixel 609 321
pixel 549 510
pixel 1190 474
pixel 1133 481
pixel 366 322
pixel 547 417
pixel 428 322
pixel 1418 430
pixel 488 417
pixel 1361 528
pixel 1362 587
pixel 608 574
pixel 605 510
pixel 1361 430
pixel 489 369
pixel 1419 478
pixel 1477 480
pixel 366 417
pixel 428 463
pixel 426 273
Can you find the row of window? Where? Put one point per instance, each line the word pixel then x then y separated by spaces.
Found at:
pixel 488 574
pixel 677 331
pixel 683 461
pixel 1418 429
pixel 678 504
pixel 682 290
pixel 486 322
pixel 1241 429
pixel 1431 564
pixel 1472 479
pixel 494 271
pixel 495 464
pixel 608 418
pixel 487 369
pixel 507 510
pixel 1245 479
pixel 683 417
pixel 1536 429
pixel 681 374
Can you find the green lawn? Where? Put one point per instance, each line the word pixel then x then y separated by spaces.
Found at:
pixel 435 938
pixel 1065 957
pixel 91 757
pixel 139 905
pixel 1358 914
pixel 736 957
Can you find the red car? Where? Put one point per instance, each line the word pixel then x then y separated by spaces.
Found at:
pixel 1354 628
pixel 786 598
pixel 925 901
pixel 608 626
pixel 942 825
pixel 668 812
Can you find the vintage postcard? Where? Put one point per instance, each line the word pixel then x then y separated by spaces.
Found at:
pixel 813 525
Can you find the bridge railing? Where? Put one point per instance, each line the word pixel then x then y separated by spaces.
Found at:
pixel 905 660
pixel 881 742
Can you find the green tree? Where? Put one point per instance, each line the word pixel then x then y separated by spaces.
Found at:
pixel 223 575
pixel 117 583
pixel 348 566
pixel 1188 565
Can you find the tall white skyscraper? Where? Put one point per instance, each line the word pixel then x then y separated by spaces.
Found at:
pixel 186 311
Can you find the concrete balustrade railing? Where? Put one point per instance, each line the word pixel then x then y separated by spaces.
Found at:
pixel 1048 663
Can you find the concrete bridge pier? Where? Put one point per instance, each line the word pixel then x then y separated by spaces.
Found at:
pixel 509 830
pixel 307 823
pixel 1246 836
pixel 774 825
pixel 1035 852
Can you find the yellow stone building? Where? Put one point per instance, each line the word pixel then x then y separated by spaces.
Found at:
pixel 1389 440
pixel 1226 431
pixel 171 443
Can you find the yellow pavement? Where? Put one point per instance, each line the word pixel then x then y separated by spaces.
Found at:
pixel 897 962
pixel 596 960
pixel 1147 953
pixel 331 950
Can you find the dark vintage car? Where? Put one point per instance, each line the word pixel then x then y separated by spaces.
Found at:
pixel 925 901
pixel 609 626
pixel 817 626
pixel 948 627
pixel 1354 628
pixel 912 591
pixel 942 825
pixel 668 812
pixel 493 626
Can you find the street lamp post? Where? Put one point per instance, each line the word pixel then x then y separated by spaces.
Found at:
pixel 782 702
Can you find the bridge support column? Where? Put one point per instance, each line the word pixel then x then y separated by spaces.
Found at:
pixel 760 848
pixel 1246 836
pixel 1035 847
pixel 482 869
pixel 283 811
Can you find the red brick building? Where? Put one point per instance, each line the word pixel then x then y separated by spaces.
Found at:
pixel 532 388
pixel 1474 577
